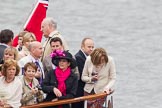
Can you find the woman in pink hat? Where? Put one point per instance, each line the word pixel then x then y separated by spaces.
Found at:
pixel 61 83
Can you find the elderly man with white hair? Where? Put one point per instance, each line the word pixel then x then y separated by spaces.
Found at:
pixel 49 29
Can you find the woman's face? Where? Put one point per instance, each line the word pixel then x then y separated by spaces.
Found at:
pixel 64 64
pixel 11 72
pixel 102 62
pixel 30 73
pixel 29 41
pixel 8 55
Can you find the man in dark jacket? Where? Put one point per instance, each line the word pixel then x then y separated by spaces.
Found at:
pixel 6 37
pixel 87 47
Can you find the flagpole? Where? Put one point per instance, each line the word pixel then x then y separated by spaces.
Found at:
pixel 30 14
pixel 27 18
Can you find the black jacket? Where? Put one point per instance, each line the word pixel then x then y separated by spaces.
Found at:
pixel 50 82
pixel 2 48
pixel 80 59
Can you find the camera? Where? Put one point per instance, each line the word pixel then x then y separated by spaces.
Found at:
pixel 39 87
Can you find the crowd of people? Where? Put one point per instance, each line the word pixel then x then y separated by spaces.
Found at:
pixel 35 72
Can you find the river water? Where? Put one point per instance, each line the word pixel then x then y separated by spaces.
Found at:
pixel 130 30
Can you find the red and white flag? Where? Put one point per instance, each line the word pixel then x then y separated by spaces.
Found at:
pixel 33 24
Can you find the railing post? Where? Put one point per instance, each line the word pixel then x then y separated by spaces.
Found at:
pixel 106 101
pixel 112 102
pixel 85 104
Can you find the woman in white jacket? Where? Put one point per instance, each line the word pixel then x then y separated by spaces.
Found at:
pixel 99 74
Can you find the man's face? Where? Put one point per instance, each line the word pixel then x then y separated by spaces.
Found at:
pixel 37 51
pixel 20 41
pixel 56 46
pixel 88 46
pixel 45 29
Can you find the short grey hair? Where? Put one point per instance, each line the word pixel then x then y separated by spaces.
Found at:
pixel 32 45
pixel 50 21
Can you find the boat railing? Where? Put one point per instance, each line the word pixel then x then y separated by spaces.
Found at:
pixel 108 103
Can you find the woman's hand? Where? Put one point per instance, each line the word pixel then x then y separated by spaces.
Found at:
pixel 108 91
pixel 2 103
pixel 57 92
pixel 34 91
pixel 56 99
pixel 94 78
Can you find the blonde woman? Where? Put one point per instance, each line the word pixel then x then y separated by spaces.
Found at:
pixel 99 74
pixel 9 53
pixel 27 38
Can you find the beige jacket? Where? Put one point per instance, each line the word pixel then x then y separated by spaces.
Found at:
pixel 46 45
pixel 106 76
pixel 28 98
pixel 24 52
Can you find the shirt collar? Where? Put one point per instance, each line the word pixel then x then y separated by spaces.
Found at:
pixel 27 84
pixel 84 53
pixel 54 32
pixel 4 44
pixel 33 59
